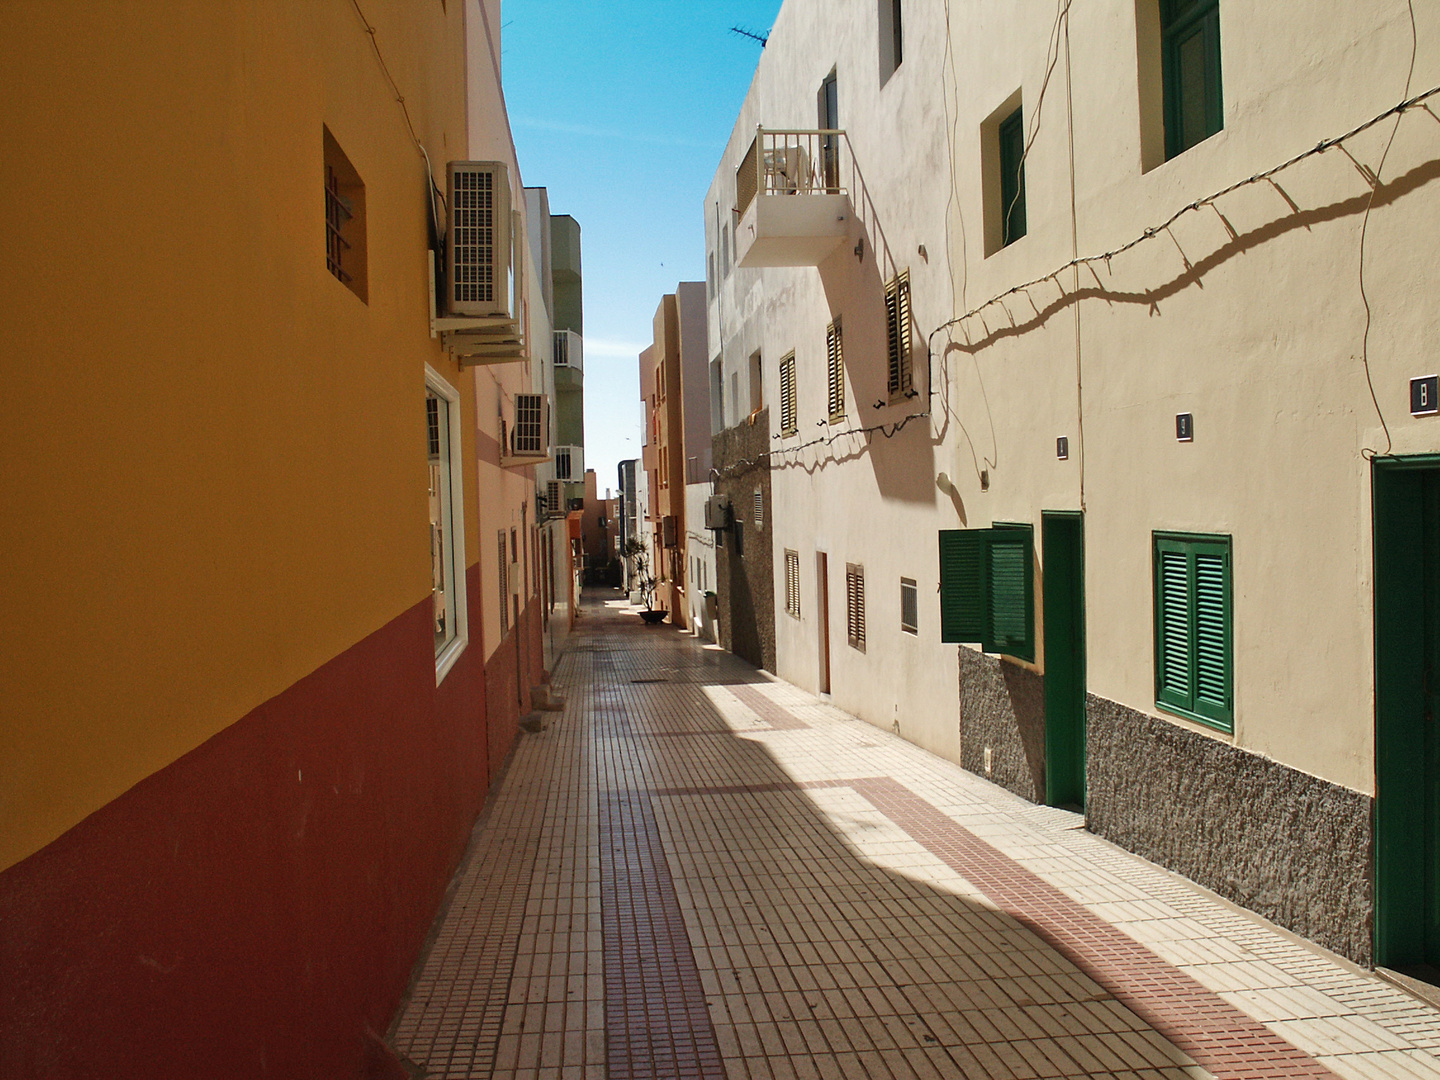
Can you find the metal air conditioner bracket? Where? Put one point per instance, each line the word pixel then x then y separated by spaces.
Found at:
pixel 488 339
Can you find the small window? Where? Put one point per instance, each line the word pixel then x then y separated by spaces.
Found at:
pixel 345 254
pixel 1012 178
pixel 1190 63
pixel 792 583
pixel 759 509
pixel 987 593
pixel 757 383
pixel 710 277
pixel 901 381
pixel 735 413
pixel 447 537
pixel 725 252
pixel 789 412
pixel 855 606
pixel 835 372
pixel 892 51
pixel 1193 640
pixel 909 606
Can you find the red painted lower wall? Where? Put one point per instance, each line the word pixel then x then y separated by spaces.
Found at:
pixel 522 652
pixel 249 910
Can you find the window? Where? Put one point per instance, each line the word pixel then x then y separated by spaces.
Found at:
pixel 345 254
pixel 829 110
pixel 1193 645
pixel 835 372
pixel 759 509
pixel 987 593
pixel 757 383
pixel 1190 65
pixel 909 606
pixel 725 252
pixel 789 413
pixel 503 588
pixel 447 536
pixel 855 606
pixel 735 413
pixel 792 583
pixel 1012 178
pixel 897 326
pixel 892 51
pixel 710 277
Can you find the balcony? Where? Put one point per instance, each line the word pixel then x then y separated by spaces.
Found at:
pixel 790 198
pixel 569 350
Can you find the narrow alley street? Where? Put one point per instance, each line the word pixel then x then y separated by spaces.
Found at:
pixel 698 871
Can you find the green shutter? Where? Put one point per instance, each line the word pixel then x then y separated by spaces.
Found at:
pixel 1011 601
pixel 963 555
pixel 1190 59
pixel 1193 643
pixel 1012 178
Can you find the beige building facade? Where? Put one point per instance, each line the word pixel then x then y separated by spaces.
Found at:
pixel 1165 486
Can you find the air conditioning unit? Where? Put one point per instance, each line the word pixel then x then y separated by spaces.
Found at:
pixel 478 248
pixel 717 512
pixel 554 501
pixel 525 436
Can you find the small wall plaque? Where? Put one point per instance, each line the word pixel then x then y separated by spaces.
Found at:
pixel 1184 427
pixel 1425 396
pixel 1062 448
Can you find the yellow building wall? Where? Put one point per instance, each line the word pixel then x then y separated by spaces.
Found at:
pixel 208 489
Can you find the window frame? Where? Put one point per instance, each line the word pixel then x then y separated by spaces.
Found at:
pixel 452 522
pixel 1179 21
pixel 981 599
pixel 1190 701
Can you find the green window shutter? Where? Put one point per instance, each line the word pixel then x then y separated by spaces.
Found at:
pixel 1194 650
pixel 1011 600
pixel 963 565
pixel 1190 62
pixel 1012 178
pixel 1172 625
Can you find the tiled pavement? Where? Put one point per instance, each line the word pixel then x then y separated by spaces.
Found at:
pixel 698 871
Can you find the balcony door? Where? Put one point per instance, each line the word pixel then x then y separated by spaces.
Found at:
pixel 829 99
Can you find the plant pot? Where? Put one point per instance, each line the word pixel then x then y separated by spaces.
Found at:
pixel 653 617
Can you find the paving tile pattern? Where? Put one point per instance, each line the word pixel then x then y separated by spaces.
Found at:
pixel 699 871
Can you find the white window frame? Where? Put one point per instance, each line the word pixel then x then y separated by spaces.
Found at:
pixel 458 617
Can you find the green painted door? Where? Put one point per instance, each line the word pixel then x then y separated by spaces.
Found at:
pixel 1407 715
pixel 1063 553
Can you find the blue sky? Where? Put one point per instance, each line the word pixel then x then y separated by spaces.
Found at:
pixel 622 109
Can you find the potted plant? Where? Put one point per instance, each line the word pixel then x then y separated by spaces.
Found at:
pixel 644 580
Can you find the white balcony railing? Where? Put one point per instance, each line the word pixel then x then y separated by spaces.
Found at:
pixel 569 350
pixel 792 198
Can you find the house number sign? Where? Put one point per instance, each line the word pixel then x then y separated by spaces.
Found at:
pixel 1425 396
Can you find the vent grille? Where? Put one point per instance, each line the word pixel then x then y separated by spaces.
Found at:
pixel 473 236
pixel 759 509
pixel 528 437
pixel 552 498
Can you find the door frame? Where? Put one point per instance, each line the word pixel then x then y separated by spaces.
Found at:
pixel 1062 542
pixel 822 615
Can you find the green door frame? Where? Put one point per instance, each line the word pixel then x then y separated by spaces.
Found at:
pixel 1062 539
pixel 1402 920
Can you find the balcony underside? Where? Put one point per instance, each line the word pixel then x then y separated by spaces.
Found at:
pixel 792 229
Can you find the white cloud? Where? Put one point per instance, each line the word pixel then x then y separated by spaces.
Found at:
pixel 606 347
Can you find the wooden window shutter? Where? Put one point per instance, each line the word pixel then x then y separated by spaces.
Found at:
pixel 1212 634
pixel 789 413
pixel 835 369
pixel 792 583
pixel 1011 599
pixel 897 326
pixel 963 555
pixel 855 606
pixel 1193 645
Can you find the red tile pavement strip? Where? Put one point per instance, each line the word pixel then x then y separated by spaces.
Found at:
pixel 776 715
pixel 1216 1035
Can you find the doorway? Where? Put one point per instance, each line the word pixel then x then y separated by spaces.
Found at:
pixel 1062 540
pixel 822 614
pixel 1407 705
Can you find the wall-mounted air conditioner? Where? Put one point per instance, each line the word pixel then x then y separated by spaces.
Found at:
pixel 717 512
pixel 554 500
pixel 525 434
pixel 478 250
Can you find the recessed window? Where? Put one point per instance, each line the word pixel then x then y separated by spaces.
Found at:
pixel 892 48
pixel 757 383
pixel 901 380
pixel 1193 642
pixel 503 579
pixel 789 412
pixel 1190 62
pixel 987 594
pixel 1012 178
pixel 447 538
pixel 855 606
pixel 792 583
pixel 835 372
pixel 345 253
pixel 909 606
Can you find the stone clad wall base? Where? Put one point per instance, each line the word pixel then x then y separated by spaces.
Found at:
pixel 1292 847
pixel 745 584
pixel 1002 706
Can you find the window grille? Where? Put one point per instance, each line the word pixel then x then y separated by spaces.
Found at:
pixel 432 426
pixel 789 413
pixel 336 217
pixel 562 463
pixel 835 371
pixel 897 325
pixel 562 348
pixel 909 606
pixel 855 606
pixel 792 583
pixel 553 502
pixel 529 435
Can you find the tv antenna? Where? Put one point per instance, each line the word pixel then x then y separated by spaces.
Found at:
pixel 761 38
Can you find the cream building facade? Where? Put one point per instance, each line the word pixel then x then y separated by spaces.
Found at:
pixel 1164 488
